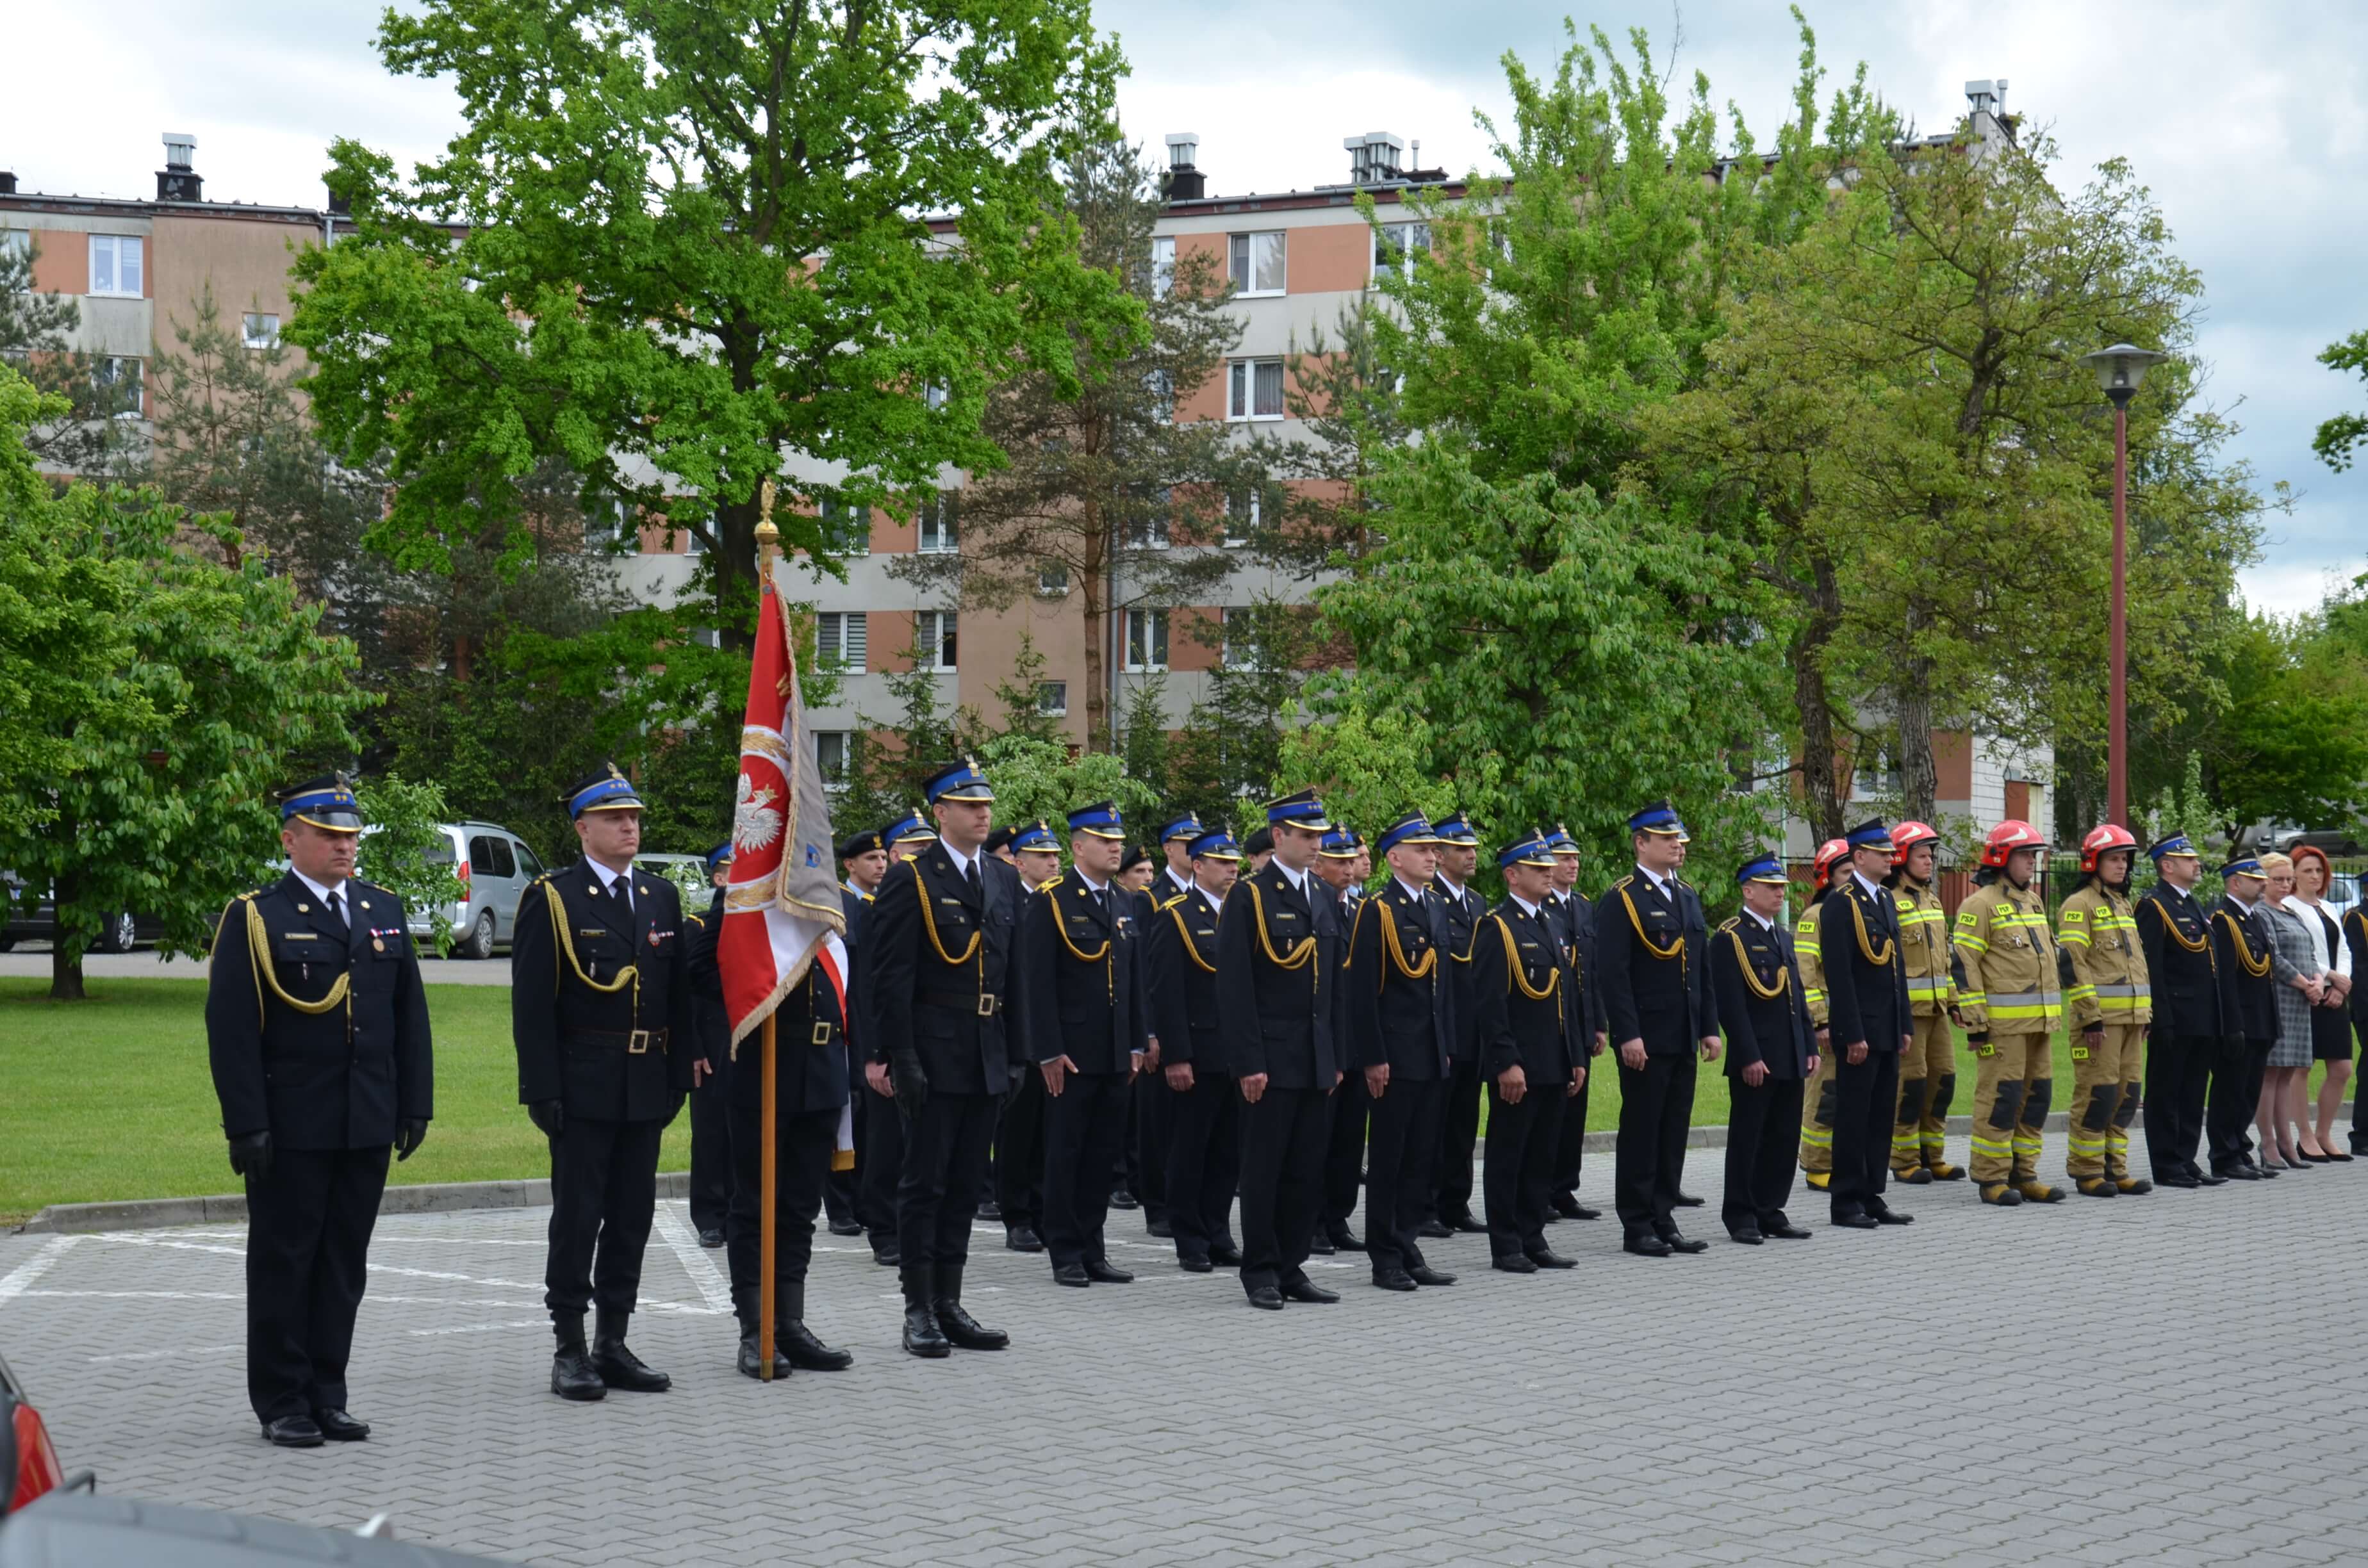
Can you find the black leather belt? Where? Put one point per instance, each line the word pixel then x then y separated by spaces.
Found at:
pixel 985 1004
pixel 637 1043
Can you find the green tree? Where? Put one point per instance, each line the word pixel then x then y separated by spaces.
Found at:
pixel 1036 779
pixel 1106 494
pixel 2338 437
pixel 1229 752
pixel 674 240
pixel 2292 747
pixel 400 848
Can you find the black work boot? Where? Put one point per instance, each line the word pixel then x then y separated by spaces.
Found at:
pixel 789 1331
pixel 922 1335
pixel 619 1367
pixel 573 1375
pixel 751 1361
pixel 958 1325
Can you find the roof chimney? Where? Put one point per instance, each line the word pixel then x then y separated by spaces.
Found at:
pixel 7 182
pixel 1373 158
pixel 178 180
pixel 1184 181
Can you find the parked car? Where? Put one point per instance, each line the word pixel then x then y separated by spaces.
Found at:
pixel 493 866
pixel 28 1463
pixel 66 1531
pixel 2331 840
pixel 34 917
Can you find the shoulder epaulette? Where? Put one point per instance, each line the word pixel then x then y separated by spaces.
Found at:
pixel 1051 882
pixel 695 919
pixel 1731 922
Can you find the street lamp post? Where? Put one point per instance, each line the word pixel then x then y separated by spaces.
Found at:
pixel 2119 370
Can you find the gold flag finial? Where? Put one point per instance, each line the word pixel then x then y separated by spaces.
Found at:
pixel 769 537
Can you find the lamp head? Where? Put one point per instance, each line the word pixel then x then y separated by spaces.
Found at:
pixel 2119 368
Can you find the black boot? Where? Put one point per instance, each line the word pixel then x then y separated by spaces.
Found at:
pixel 751 1363
pixel 791 1333
pixel 959 1327
pixel 922 1335
pixel 618 1366
pixel 573 1375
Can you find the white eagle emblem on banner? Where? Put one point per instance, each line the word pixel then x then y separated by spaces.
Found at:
pixel 754 823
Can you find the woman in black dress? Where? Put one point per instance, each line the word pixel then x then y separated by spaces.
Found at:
pixel 2331 1021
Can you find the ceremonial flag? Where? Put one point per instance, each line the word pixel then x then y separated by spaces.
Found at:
pixel 781 909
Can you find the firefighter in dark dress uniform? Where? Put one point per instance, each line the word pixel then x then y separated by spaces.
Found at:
pixel 882 1164
pixel 939 944
pixel 863 860
pixel 1771 1052
pixel 1532 1055
pixel 1868 1023
pixel 1020 1125
pixel 1572 916
pixel 1344 1153
pixel 1458 1113
pixel 2183 1033
pixel 1277 966
pixel 2250 968
pixel 1657 998
pixel 316 1030
pixel 600 1013
pixel 1401 1029
pixel 1082 981
pixel 1204 1143
pixel 711 1110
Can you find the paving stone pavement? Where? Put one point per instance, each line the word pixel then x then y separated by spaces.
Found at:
pixel 2167 1380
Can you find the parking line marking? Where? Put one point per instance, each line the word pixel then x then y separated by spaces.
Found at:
pixel 674 1226
pixel 20 1280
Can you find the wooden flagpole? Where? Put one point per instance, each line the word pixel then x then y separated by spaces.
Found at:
pixel 768 543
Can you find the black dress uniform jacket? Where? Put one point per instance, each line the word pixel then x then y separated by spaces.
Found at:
pixel 1464 913
pixel 937 964
pixel 2183 986
pixel 810 1069
pixel 1512 1025
pixel 1664 1000
pixel 1277 971
pixel 1084 975
pixel 2248 1001
pixel 1182 959
pixel 1571 917
pixel 1393 1018
pixel 339 1079
pixel 1746 959
pixel 1864 1000
pixel 611 1048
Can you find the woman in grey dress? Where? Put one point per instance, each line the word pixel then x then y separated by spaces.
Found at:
pixel 2280 1113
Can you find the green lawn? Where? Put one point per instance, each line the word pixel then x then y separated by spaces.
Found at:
pixel 110 1098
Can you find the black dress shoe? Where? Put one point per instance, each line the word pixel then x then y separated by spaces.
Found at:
pixel 711 1237
pixel 1514 1263
pixel 340 1427
pixel 1163 1227
pixel 1343 1238
pixel 1686 1201
pixel 752 1363
pixel 292 1432
pixel 1856 1221
pixel 1101 1271
pixel 846 1227
pixel 1307 1290
pixel 1677 1241
pixel 1194 1265
pixel 1546 1257
pixel 963 1331
pixel 1424 1273
pixel 2207 1178
pixel 807 1353
pixel 1646 1246
pixel 1122 1198
pixel 1436 1230
pixel 887 1254
pixel 1071 1274
pixel 1020 1238
pixel 1267 1299
pixel 620 1369
pixel 1566 1205
pixel 1392 1279
pixel 2236 1173
pixel 923 1337
pixel 988 1209
pixel 573 1376
pixel 1319 1246
pixel 1787 1232
pixel 2180 1180
pixel 1747 1235
pixel 1581 1211
pixel 1467 1224
pixel 1224 1254
pixel 1893 1217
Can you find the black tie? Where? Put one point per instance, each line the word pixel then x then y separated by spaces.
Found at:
pixel 621 889
pixel 337 913
pixel 969 875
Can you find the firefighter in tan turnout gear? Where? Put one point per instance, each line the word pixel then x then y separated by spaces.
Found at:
pixel 2104 975
pixel 2007 997
pixel 1928 1069
pixel 1818 1097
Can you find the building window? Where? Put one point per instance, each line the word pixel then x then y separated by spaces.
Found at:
pixel 1147 530
pixel 935 396
pixel 937 523
pixel 1146 641
pixel 115 265
pixel 1257 262
pixel 846 527
pixel 1052 580
pixel 1395 246
pixel 261 330
pixel 1053 699
pixel 842 639
pixel 16 242
pixel 1241 515
pixel 1162 266
pixel 933 639
pixel 118 382
pixel 1254 390
pixel 830 755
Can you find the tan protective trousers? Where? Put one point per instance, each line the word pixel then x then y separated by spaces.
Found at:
pixel 2105 1082
pixel 2013 1085
pixel 1928 1082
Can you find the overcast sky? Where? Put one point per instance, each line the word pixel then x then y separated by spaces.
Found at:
pixel 2244 118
